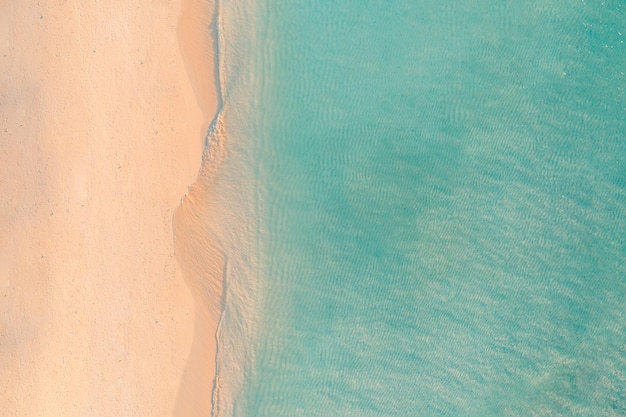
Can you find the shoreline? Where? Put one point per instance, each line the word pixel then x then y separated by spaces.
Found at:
pixel 105 112
pixel 198 253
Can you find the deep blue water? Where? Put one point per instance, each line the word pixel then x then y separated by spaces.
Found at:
pixel 437 205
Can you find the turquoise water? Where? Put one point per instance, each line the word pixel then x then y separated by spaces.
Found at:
pixel 434 195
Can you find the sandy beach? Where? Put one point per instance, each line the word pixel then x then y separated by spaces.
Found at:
pixel 105 108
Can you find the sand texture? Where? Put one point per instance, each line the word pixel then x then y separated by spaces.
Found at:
pixel 104 108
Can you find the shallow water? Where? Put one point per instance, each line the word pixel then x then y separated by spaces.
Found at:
pixel 433 200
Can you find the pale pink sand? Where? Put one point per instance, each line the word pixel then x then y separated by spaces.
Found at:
pixel 101 133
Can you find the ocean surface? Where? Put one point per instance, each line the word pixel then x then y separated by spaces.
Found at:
pixel 427 208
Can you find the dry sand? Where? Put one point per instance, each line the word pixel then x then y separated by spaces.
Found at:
pixel 104 107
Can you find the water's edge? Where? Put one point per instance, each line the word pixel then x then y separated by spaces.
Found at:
pixel 197 246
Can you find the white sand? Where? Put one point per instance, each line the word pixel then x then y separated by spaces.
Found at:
pixel 103 112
